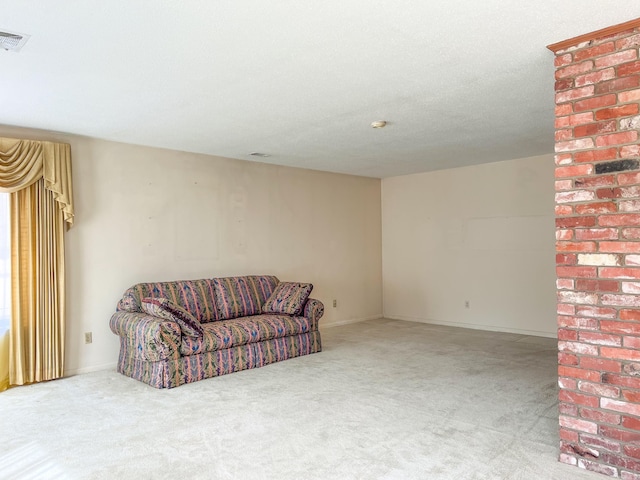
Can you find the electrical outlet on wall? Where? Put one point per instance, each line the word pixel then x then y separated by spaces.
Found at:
pixel 466 304
pixel 88 337
pixel 335 303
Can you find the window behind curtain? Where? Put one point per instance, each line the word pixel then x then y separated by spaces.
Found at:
pixel 5 263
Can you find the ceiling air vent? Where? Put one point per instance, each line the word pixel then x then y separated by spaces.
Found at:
pixel 13 42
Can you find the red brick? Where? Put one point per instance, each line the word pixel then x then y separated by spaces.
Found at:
pixel 577 322
pixel 565 259
pixel 573 70
pixel 629 476
pixel 564 109
pixel 630 206
pixel 620 247
pixel 564 309
pixel 580 118
pixel 616 58
pixel 589 221
pixel 593 103
pixel 577 297
pixel 576 424
pixel 596 51
pixel 619 83
pixel 619 434
pixel 564 334
pixel 630 315
pixel 597 207
pixel 579 144
pixel 575 246
pixel 628 42
pixel 569 384
pixel 599 389
pixel 564 84
pixel 575 93
pixel 632 451
pixel 563 158
pixel 568 459
pixel 596 312
pixel 600 417
pixel 584 272
pixel 567 359
pixel 568 408
pixel 619 461
pixel 631 68
pixel 629 178
pixel 563 210
pixel 615 112
pixel 608 193
pixel 595 128
pixel 568 435
pixel 596 155
pixel 622 354
pixel 621 380
pixel 630 233
pixel 565 134
pixel 632 342
pixel 601 339
pixel 615 139
pixel 578 398
pixel 564 283
pixel 612 326
pixel 563 185
pixel 620 300
pixel 632 260
pixel 574 171
pixel 631 423
pixel 597 181
pixel 630 151
pixel 595 77
pixel 579 373
pixel 630 96
pixel 624 273
pixel 591 285
pixel 597 467
pixel 600 442
pixel 631 396
pixel 596 233
pixel 561 60
pixel 623 220
pixel 601 364
pixel 577 347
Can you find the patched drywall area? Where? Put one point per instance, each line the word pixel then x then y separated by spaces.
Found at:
pixel 148 214
pixel 472 247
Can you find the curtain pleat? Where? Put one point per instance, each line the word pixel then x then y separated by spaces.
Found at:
pixel 38 177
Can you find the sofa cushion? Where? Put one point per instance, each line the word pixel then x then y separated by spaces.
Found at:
pixel 242 296
pixel 163 308
pixel 288 298
pixel 195 296
pixel 240 331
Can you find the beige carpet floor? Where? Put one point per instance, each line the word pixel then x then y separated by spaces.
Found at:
pixel 385 399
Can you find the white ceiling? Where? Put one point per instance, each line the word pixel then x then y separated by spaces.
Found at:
pixel 460 83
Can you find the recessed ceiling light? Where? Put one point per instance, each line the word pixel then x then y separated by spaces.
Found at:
pixel 13 41
pixel 258 154
pixel 378 124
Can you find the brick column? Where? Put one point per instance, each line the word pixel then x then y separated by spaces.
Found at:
pixel 598 249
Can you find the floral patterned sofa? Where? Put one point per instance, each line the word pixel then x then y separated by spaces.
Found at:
pixel 173 333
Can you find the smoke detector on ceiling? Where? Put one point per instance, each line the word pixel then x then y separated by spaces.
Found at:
pixel 13 41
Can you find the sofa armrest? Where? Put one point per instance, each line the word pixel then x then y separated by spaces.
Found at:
pixel 313 309
pixel 147 337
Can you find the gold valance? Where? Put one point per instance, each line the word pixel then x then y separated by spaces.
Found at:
pixel 24 162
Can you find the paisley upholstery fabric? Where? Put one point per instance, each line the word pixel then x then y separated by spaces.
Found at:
pixel 288 298
pixel 163 308
pixel 235 334
pixel 242 296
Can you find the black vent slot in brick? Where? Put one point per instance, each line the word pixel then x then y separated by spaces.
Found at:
pixel 617 166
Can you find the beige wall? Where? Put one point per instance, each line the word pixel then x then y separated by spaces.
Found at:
pixel 483 234
pixel 146 214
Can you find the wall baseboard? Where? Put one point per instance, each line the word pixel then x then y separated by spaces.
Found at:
pixel 349 321
pixel 473 326
pixel 95 368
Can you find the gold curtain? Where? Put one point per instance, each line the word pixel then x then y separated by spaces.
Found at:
pixel 38 177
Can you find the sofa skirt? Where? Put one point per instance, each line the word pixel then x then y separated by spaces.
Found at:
pixel 173 372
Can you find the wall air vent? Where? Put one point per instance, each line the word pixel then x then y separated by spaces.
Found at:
pixel 13 42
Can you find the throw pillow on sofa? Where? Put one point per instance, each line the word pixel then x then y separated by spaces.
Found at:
pixel 163 308
pixel 288 298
